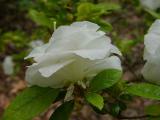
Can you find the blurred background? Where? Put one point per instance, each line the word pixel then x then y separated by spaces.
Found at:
pixel 26 24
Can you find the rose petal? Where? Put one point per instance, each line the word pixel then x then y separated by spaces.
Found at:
pixel 49 70
pixel 151 72
pixel 38 51
pixel 112 62
pixel 86 25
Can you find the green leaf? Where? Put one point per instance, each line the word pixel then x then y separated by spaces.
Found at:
pixel 95 99
pixel 40 18
pixel 83 10
pixel 63 112
pixel 105 26
pixel 108 7
pixel 30 103
pixel 86 10
pixel 145 90
pixel 105 79
pixel 153 13
pixel 153 110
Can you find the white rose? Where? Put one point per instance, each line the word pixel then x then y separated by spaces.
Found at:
pixel 74 54
pixel 151 70
pixel 151 4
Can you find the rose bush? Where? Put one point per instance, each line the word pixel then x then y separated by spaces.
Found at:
pixel 74 54
pixel 151 70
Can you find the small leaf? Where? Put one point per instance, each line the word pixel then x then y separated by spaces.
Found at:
pixel 83 10
pixel 105 79
pixel 31 102
pixel 63 112
pixel 153 110
pixel 95 99
pixel 145 90
pixel 87 10
pixel 40 18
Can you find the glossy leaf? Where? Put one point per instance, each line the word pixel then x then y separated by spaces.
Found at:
pixel 105 79
pixel 95 99
pixel 145 90
pixel 30 103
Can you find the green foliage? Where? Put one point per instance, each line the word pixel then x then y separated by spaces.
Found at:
pixel 16 39
pixel 144 90
pixel 105 79
pixel 40 18
pixel 153 13
pixel 116 108
pixel 16 44
pixel 95 100
pixel 44 13
pixel 125 45
pixel 153 110
pixel 94 12
pixel 63 112
pixel 31 102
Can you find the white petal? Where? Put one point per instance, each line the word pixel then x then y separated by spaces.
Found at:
pixel 36 43
pixel 115 50
pixel 86 25
pixel 151 72
pixel 38 51
pixel 95 49
pixel 75 39
pixel 34 77
pixel 155 27
pixel 92 54
pixel 100 42
pixel 112 62
pixel 68 74
pixel 152 42
pixel 60 33
pixel 73 72
pixel 49 70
